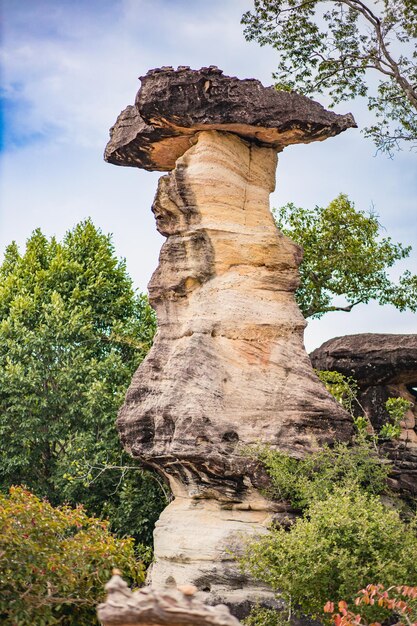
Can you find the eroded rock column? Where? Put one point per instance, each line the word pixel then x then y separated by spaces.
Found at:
pixel 228 368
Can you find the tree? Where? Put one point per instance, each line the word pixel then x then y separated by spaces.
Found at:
pixel 344 255
pixel 344 536
pixel 54 562
pixel 72 332
pixel 341 543
pixel 333 46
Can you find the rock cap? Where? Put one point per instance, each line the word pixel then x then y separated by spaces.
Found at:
pixel 172 106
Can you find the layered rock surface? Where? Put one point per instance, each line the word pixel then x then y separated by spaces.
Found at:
pixel 228 368
pixel 173 106
pixel 385 366
pixel 146 606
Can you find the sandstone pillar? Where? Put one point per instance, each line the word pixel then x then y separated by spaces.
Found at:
pixel 228 368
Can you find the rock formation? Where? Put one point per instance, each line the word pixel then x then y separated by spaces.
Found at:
pixel 173 106
pixel 228 368
pixel 385 366
pixel 169 608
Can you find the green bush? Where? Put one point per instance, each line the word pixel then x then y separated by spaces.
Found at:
pixel 396 409
pixel 54 562
pixel 303 481
pixel 340 544
pixel 343 388
pixel 263 616
pixel 346 537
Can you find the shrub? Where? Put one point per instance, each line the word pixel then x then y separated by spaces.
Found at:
pixel 54 562
pixel 346 536
pixel 339 545
pixel 302 481
pixel 396 409
pixel 263 616
pixel 343 388
pixel 399 603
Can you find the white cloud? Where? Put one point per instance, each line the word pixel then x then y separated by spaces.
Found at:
pixel 70 67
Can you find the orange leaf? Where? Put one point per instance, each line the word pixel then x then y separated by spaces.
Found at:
pixel 329 607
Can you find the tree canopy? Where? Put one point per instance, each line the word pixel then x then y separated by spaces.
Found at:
pixel 348 532
pixel 342 541
pixel 345 255
pixel 72 332
pixel 55 562
pixel 333 46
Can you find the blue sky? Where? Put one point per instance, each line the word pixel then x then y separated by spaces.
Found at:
pixel 69 68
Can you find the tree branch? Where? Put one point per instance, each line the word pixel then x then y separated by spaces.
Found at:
pixel 385 59
pixel 346 309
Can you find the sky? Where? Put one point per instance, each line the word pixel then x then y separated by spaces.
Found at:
pixel 70 66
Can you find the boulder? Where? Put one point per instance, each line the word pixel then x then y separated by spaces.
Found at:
pixel 384 366
pixel 146 607
pixel 173 106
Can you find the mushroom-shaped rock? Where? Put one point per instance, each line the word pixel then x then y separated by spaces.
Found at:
pixel 228 368
pixel 384 366
pixel 173 106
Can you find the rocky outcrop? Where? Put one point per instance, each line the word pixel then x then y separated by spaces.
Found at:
pixel 385 366
pixel 228 368
pixel 173 106
pixel 145 606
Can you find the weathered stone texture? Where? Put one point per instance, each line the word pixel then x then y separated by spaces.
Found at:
pixel 146 606
pixel 384 366
pixel 228 368
pixel 173 106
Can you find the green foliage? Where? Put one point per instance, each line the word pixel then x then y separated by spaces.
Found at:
pixel 333 47
pixel 313 478
pixel 262 616
pixel 341 543
pixel 361 424
pixel 72 332
pixel 344 255
pixel 396 408
pixel 345 535
pixel 343 388
pixel 398 602
pixel 54 562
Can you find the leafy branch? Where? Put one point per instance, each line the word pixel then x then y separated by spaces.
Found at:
pixel 330 46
